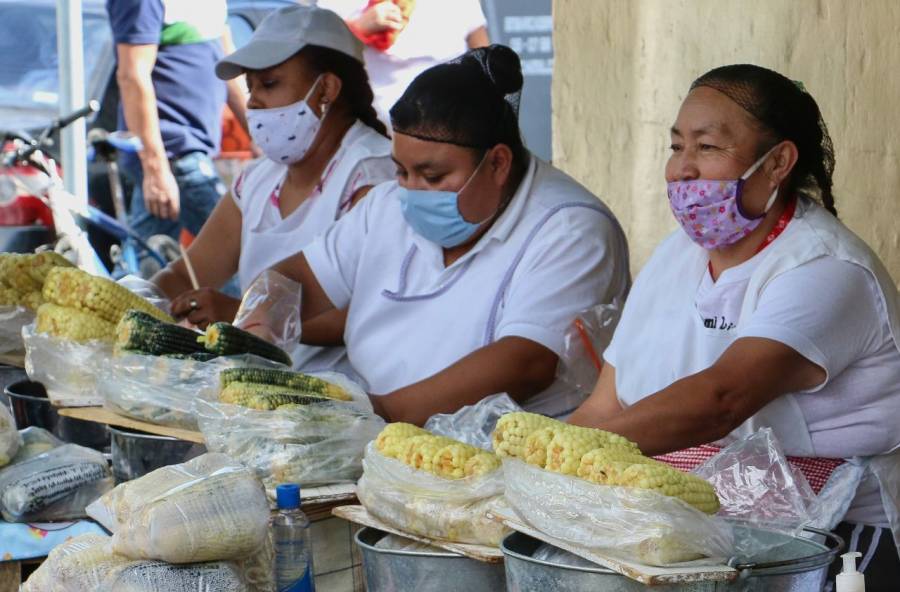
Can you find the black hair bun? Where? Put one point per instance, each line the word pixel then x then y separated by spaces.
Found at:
pixel 503 67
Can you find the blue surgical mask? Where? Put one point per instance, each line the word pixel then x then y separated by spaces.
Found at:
pixel 435 215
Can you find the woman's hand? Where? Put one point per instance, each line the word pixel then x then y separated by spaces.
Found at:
pixel 204 306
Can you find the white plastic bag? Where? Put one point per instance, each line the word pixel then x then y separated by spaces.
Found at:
pixel 586 338
pixel 630 523
pixel 148 291
pixel 81 564
pixel 55 485
pixel 315 444
pixel 473 424
pixel 272 301
pixel 10 440
pixel 421 503
pixel 70 371
pixel 207 509
pixel 158 576
pixel 35 441
pixel 12 320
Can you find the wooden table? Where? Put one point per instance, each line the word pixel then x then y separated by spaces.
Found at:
pixel 102 415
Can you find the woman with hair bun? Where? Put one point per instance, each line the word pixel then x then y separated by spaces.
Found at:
pixel 764 311
pixel 460 278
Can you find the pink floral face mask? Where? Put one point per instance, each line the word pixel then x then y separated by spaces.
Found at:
pixel 711 211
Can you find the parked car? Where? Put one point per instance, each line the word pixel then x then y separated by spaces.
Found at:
pixel 29 100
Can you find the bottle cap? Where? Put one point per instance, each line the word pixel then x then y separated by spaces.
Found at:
pixel 850 580
pixel 287 496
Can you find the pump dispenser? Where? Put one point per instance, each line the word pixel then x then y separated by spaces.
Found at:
pixel 850 580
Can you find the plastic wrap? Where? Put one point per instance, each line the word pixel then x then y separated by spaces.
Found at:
pixel 157 576
pixel 70 371
pixel 586 338
pixel 313 444
pixel 207 509
pixel 55 485
pixel 630 523
pixel 473 424
pixel 552 554
pixel 81 564
pixel 12 320
pixel 148 291
pixel 163 390
pixel 392 542
pixel 421 503
pixel 10 440
pixel 272 301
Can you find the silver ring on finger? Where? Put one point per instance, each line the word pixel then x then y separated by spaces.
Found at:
pixel 194 304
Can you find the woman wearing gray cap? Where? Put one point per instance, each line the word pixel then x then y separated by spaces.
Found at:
pixel 310 112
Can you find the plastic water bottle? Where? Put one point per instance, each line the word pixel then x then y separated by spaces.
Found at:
pixel 293 547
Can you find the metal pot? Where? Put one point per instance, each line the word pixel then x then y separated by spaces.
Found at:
pixel 796 565
pixel 9 375
pixel 30 407
pixel 134 453
pixel 424 571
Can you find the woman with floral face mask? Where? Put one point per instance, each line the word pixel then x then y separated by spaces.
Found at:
pixel 310 113
pixel 461 277
pixel 763 310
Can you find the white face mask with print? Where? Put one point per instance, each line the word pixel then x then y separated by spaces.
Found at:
pixel 284 134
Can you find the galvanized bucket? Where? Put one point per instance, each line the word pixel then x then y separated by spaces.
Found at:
pixel 30 407
pixel 134 454
pixel 796 565
pixel 424 571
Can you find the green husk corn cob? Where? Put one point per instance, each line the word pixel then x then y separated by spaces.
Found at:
pixel 225 339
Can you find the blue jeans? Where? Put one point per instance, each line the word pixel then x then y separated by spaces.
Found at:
pixel 199 186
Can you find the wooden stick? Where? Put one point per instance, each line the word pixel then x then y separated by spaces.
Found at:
pixel 190 268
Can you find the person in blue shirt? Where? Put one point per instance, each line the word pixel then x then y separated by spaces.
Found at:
pixel 171 99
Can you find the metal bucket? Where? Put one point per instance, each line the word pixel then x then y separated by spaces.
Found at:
pixel 9 375
pixel 796 565
pixel 30 407
pixel 134 453
pixel 424 571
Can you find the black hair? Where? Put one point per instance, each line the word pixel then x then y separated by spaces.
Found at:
pixel 356 92
pixel 472 101
pixel 785 111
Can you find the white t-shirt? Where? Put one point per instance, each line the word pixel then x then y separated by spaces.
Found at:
pixel 436 32
pixel 555 252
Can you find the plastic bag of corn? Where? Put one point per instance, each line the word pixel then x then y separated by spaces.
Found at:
pixel 69 370
pixel 207 509
pixel 422 503
pixel 12 319
pixel 473 424
pixel 10 440
pixel 318 442
pixel 35 441
pixel 80 564
pixel 55 485
pixel 632 523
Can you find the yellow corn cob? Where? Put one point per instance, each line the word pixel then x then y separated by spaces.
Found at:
pixel 481 464
pixel 72 324
pixel 419 451
pixel 450 461
pixel 514 428
pixel 621 468
pixel 570 443
pixel 391 439
pixel 77 289
pixel 15 274
pixel 9 297
pixel 32 300
pixel 536 445
pixel 37 266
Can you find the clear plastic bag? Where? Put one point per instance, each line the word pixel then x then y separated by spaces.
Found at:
pixel 552 554
pixel 315 444
pixel 55 485
pixel 68 370
pixel 163 390
pixel 207 509
pixel 148 291
pixel 35 441
pixel 80 564
pixel 586 338
pixel 272 301
pixel 158 576
pixel 10 440
pixel 12 320
pixel 635 524
pixel 473 424
pixel 421 503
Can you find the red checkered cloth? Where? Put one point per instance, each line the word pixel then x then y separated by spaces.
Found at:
pixel 816 470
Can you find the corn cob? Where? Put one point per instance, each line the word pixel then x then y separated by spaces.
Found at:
pixel 77 289
pixel 619 468
pixel 9 297
pixel 570 443
pixel 72 324
pixel 295 381
pixel 38 265
pixel 419 451
pixel 450 461
pixel 267 401
pixel 32 300
pixel 16 276
pixel 536 445
pixel 140 332
pixel 394 435
pixel 225 339
pixel 514 428
pixel 481 464
pixel 38 490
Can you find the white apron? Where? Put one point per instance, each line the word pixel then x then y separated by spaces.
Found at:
pixel 262 247
pixel 679 266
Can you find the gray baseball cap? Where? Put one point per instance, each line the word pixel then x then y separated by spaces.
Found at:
pixel 286 31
